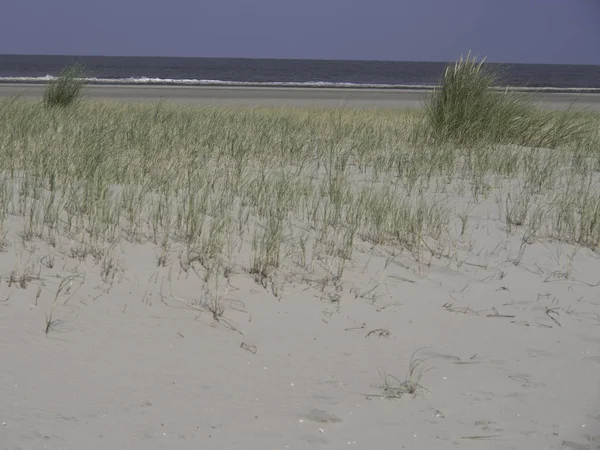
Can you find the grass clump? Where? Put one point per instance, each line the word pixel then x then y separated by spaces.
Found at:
pixel 395 388
pixel 467 108
pixel 66 88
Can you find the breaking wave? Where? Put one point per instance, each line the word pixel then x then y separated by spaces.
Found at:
pixel 292 84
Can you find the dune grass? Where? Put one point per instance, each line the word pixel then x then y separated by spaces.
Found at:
pixel 467 109
pixel 287 188
pixel 65 89
pixel 287 194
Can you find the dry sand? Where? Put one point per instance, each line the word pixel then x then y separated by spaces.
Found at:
pixel 510 342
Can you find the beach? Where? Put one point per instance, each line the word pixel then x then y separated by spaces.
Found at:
pixel 285 96
pixel 317 277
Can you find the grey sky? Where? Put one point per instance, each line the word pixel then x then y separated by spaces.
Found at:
pixel 536 31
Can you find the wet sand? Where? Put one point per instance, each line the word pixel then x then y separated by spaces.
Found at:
pixel 283 96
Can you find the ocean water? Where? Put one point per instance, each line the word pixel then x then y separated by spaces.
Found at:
pixel 282 72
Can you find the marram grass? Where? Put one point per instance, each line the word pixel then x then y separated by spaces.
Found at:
pixel 467 110
pixel 65 89
pixel 298 190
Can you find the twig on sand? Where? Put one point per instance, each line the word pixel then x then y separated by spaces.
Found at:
pixel 380 332
pixel 356 328
pixel 491 436
pixel 463 310
pixel 527 324
pixel 549 312
pixel 497 314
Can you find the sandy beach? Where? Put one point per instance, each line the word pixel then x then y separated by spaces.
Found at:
pixel 134 367
pixel 431 299
pixel 280 96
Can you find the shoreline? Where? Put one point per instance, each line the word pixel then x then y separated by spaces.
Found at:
pixel 159 82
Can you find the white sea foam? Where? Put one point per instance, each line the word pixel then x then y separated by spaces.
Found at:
pixel 199 82
pixel 307 84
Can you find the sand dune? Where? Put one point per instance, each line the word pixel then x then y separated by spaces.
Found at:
pixel 510 350
pixel 482 331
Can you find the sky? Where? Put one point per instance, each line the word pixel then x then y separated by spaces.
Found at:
pixel 515 31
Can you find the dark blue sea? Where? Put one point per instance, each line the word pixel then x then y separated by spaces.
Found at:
pixel 285 72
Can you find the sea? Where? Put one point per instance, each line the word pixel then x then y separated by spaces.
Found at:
pixel 287 72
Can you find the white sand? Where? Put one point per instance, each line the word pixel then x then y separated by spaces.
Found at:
pixel 129 368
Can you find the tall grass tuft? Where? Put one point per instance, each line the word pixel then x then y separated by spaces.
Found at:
pixel 467 109
pixel 66 88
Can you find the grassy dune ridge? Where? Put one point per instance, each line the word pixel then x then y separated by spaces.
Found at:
pixel 290 187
